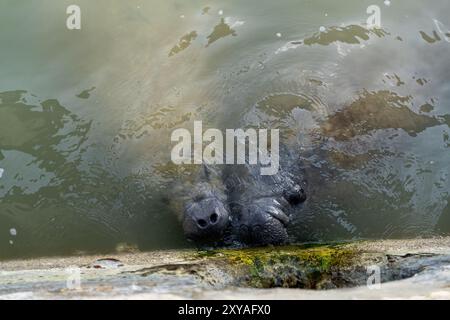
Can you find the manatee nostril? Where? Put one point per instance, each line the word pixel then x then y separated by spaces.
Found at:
pixel 214 218
pixel 296 196
pixel 202 223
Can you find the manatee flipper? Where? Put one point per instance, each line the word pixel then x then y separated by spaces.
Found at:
pixel 278 213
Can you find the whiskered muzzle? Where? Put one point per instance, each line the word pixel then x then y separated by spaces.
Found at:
pixel 205 219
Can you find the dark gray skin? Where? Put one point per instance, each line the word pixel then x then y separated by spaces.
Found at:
pixel 262 206
pixel 206 216
pixel 244 208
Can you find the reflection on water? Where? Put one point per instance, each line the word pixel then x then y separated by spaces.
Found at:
pixel 220 31
pixel 351 34
pixel 49 192
pixel 184 43
pixel 375 111
pixel 86 116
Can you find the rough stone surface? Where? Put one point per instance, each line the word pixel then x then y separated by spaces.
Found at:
pixel 409 269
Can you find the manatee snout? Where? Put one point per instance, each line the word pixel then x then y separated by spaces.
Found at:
pixel 263 222
pixel 205 219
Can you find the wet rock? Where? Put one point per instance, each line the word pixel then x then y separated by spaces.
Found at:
pixel 106 263
pixel 406 268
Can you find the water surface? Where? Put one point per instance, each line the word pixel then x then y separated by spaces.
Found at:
pixel 86 115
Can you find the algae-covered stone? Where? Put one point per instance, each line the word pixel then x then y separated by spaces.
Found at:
pixel 289 266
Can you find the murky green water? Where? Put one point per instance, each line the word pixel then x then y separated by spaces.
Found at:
pixel 86 115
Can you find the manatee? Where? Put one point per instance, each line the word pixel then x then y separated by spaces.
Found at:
pixel 237 206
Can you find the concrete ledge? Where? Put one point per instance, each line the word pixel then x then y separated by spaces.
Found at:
pixel 408 269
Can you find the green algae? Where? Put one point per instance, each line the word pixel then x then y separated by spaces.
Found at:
pixel 306 266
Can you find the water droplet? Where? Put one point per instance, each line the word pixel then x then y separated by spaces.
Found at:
pixel 278 35
pixel 387 2
pixel 220 12
pixel 322 29
pixel 13 232
pixel 11 242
